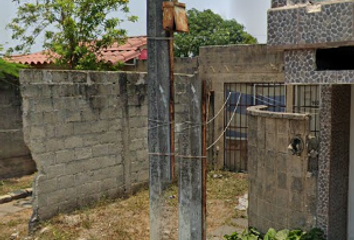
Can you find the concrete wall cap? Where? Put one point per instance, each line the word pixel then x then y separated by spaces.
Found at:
pixel 259 111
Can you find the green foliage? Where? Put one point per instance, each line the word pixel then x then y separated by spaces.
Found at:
pixel 82 28
pixel 9 69
pixel 253 234
pixel 208 28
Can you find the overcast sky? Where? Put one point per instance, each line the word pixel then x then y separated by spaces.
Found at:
pixel 251 13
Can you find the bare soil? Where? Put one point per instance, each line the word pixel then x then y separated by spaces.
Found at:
pixel 125 219
pixel 12 184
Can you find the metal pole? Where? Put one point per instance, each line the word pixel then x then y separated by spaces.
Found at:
pixel 204 163
pixel 159 118
pixel 172 108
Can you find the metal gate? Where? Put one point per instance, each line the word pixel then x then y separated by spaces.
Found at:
pixel 307 100
pixel 235 138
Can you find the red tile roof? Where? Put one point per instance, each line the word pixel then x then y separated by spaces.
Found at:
pixel 133 48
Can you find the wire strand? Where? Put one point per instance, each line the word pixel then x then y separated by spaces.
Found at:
pixel 222 108
pixel 272 99
pixel 227 126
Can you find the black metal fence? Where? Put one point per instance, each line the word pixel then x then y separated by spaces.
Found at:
pixel 306 99
pixel 249 94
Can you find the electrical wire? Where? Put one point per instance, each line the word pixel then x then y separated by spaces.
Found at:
pixel 227 99
pixel 228 124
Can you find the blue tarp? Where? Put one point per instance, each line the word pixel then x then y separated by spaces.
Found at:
pixel 274 103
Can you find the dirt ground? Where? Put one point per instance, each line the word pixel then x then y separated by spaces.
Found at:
pixel 125 219
pixel 13 184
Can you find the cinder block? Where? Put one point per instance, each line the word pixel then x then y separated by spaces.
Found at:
pixel 73 116
pixel 38 132
pixel 297 184
pixel 100 150
pixel 89 115
pixel 99 126
pixel 82 128
pixel 296 201
pixel 143 176
pixel 106 161
pixel 90 188
pixel 78 76
pixel 83 153
pixel 46 159
pixel 67 181
pixel 108 137
pixel 48 211
pixel 53 145
pixel 294 164
pixel 47 186
pixel 37 146
pixel 73 142
pixel 282 198
pixel 54 171
pixel 109 183
pixel 75 167
pixel 44 105
pixel 56 197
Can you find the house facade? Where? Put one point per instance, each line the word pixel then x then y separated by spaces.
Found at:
pixel 317 40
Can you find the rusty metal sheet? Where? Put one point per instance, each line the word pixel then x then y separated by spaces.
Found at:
pixel 181 20
pixel 175 17
pixel 168 18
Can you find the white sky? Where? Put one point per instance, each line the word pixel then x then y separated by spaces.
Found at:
pixel 251 13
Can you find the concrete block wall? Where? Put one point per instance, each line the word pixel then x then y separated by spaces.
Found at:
pixel 137 134
pixel 87 133
pixel 181 65
pixel 235 64
pixel 15 157
pixel 282 192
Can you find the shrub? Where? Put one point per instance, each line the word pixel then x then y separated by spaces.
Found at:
pixel 254 234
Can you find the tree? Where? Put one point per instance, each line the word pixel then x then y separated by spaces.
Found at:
pixel 76 31
pixel 207 28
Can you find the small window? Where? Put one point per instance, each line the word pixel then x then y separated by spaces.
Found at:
pixel 335 59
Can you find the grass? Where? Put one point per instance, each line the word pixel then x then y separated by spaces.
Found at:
pixel 12 184
pixel 125 219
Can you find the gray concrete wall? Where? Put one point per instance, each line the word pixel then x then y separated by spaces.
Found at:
pixel 181 65
pixel 15 158
pixel 282 193
pixel 87 132
pixel 235 64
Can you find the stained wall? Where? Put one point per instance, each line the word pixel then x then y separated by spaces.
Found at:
pixel 15 157
pixel 282 190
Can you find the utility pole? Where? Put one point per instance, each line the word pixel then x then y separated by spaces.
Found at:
pixel 165 17
pixel 159 87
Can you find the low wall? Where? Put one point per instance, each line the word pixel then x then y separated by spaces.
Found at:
pixel 282 191
pixel 15 158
